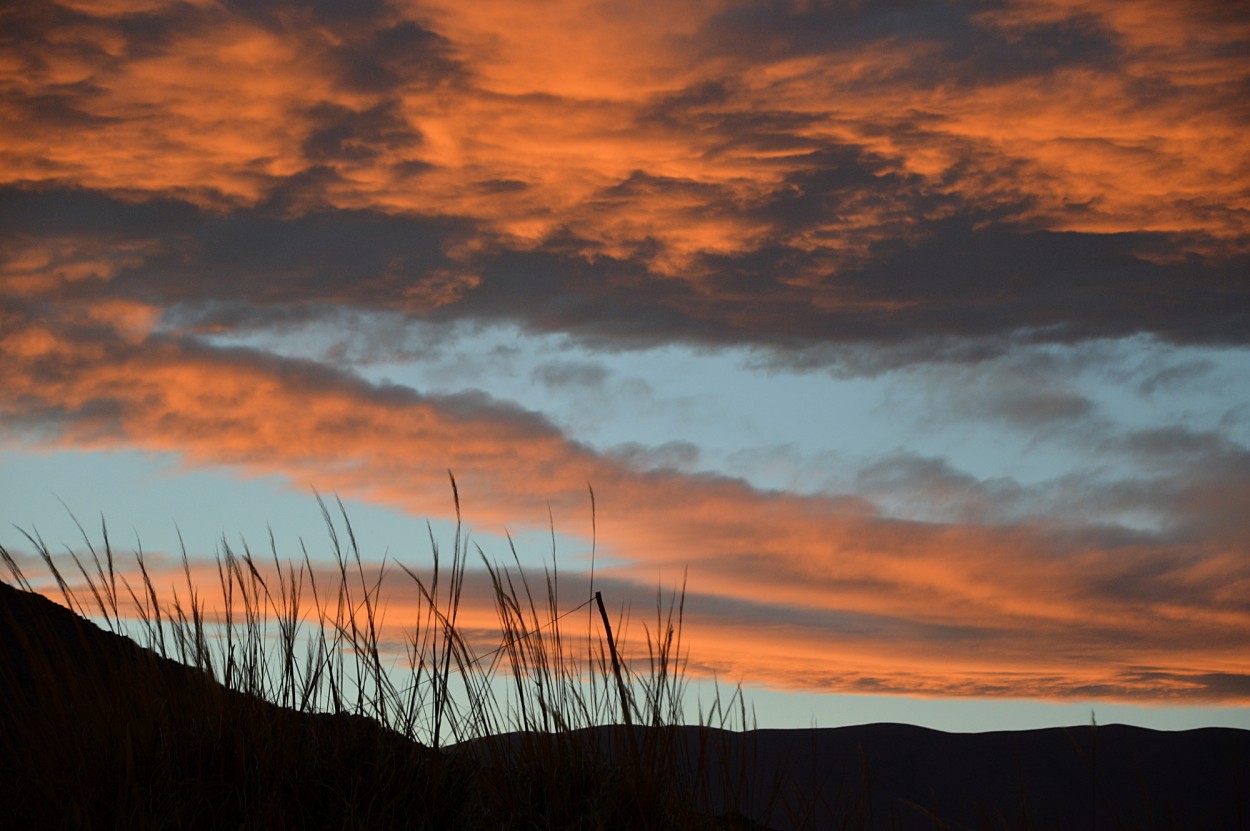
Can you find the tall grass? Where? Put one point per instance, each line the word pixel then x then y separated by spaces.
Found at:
pixel 443 731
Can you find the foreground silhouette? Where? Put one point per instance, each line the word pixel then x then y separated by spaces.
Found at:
pixel 97 731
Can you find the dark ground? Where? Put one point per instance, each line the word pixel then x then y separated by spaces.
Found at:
pixel 85 708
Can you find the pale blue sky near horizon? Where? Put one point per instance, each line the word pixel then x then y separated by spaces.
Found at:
pixel 136 494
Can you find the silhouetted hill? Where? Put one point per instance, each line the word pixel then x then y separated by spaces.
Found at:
pixel 98 732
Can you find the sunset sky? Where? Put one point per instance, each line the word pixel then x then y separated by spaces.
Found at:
pixel 916 334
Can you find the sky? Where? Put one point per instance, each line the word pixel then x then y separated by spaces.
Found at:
pixel 914 336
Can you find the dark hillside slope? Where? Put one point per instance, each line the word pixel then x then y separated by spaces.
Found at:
pixel 97 732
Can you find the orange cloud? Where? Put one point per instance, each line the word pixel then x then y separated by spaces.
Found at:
pixel 537 124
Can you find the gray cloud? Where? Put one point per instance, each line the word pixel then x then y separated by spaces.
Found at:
pixel 1165 446
pixel 672 455
pixel 372 49
pixel 918 487
pixel 1042 406
pixel 961 49
pixel 1173 376
pixel 581 376
pixel 342 134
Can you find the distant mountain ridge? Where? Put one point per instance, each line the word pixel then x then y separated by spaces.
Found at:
pixel 906 777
